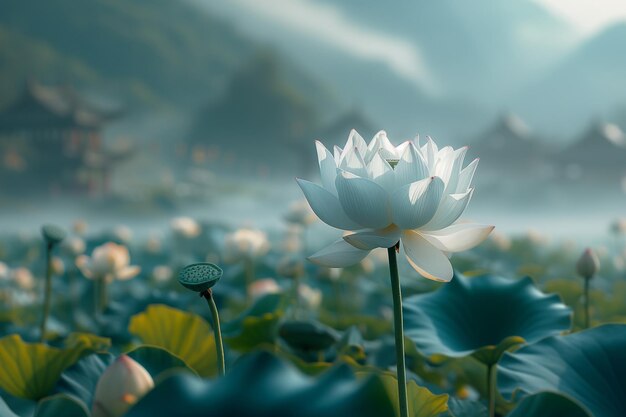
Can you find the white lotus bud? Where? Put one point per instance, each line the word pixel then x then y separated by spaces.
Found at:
pixel 121 385
pixel 588 264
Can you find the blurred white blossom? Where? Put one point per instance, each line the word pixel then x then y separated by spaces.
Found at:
pixel 185 227
pixel 109 261
pixel 245 244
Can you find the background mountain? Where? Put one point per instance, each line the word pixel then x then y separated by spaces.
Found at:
pixel 163 52
pixel 587 84
pixel 474 55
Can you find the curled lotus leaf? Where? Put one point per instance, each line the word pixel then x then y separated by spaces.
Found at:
pixel 482 316
pixel 185 335
pixel 586 367
pixel 261 385
pixel 61 405
pixel 548 404
pixel 30 370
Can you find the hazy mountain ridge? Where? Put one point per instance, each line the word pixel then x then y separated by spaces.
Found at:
pixel 587 84
pixel 157 50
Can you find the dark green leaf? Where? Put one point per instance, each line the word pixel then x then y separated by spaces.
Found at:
pixel 588 367
pixel 482 316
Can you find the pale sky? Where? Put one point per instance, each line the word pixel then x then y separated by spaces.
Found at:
pixel 589 15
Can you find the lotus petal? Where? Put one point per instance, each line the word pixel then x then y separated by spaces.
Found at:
pixel 328 168
pixel 426 259
pixel 372 239
pixel 364 201
pixel 340 254
pixel 451 208
pixel 415 204
pixel 458 237
pixel 326 206
pixel 411 167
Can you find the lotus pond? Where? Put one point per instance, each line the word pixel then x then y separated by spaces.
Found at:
pixel 412 311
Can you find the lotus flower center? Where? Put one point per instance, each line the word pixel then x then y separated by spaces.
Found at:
pixel 393 162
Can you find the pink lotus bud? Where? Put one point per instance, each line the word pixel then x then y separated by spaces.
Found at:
pixel 588 264
pixel 121 385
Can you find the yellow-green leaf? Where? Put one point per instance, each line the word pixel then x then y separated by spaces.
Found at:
pixel 30 370
pixel 184 334
pixel 422 402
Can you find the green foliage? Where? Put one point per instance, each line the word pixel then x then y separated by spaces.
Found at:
pixel 482 316
pixel 422 402
pixel 262 385
pixel 30 370
pixel 256 326
pixel 185 335
pixel 548 404
pixel 61 405
pixel 587 366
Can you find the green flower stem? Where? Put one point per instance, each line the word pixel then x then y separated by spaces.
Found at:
pixel 296 295
pixel 47 293
pixel 586 295
pixel 100 294
pixel 249 277
pixel 491 389
pixel 399 331
pixel 219 346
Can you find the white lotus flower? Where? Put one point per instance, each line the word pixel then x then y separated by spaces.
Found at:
pixel 121 385
pixel 109 261
pixel 245 244
pixel 185 227
pixel 382 194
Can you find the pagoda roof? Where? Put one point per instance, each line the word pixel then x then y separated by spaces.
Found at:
pixel 53 106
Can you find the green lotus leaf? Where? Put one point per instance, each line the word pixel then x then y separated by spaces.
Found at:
pixel 270 303
pixel 30 370
pixel 61 405
pixel 466 408
pixel 422 402
pixel 588 367
pixel 548 404
pixel 183 334
pixel 157 360
pixel 87 341
pixel 307 335
pixel 79 380
pixel 256 326
pixel 482 316
pixel 5 410
pixel 261 385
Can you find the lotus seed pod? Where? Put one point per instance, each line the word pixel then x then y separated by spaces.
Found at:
pixel 52 234
pixel 121 385
pixel 199 277
pixel 588 264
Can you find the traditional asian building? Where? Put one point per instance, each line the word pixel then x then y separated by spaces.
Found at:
pixel 51 143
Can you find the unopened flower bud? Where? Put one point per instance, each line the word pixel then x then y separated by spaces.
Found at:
pixel 588 264
pixel 121 385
